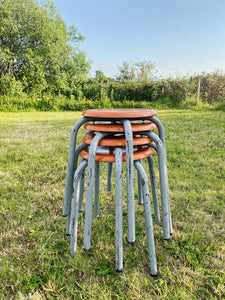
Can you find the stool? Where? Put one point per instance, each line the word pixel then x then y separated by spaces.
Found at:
pixel 120 115
pixel 118 157
pixel 119 128
pixel 113 141
pixel 145 129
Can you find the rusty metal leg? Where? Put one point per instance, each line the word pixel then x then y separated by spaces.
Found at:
pixel 90 189
pixel 96 205
pixel 71 166
pixel 119 208
pixel 130 181
pixel 153 188
pixel 148 219
pixel 73 217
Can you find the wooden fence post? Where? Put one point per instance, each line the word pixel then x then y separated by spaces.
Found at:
pixel 198 89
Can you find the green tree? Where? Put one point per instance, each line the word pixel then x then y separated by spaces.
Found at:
pixel 145 70
pixel 100 77
pixel 142 71
pixel 37 48
pixel 126 72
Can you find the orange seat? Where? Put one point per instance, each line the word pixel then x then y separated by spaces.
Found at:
pixel 114 141
pixel 119 127
pixel 137 155
pixel 119 113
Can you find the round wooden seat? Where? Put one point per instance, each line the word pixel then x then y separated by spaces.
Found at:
pixel 114 141
pixel 139 154
pixel 119 113
pixel 119 127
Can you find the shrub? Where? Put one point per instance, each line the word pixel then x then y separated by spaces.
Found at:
pixel 9 86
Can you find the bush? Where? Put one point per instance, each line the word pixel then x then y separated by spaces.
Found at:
pixel 212 87
pixel 9 86
pixel 179 92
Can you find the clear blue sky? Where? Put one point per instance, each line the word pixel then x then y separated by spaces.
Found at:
pixel 181 36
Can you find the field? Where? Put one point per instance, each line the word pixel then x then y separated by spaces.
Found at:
pixel 34 249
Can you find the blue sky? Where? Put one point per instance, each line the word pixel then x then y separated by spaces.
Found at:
pixel 181 37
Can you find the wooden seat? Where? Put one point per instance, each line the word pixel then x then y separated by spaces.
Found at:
pixel 115 140
pixel 139 154
pixel 119 127
pixel 119 113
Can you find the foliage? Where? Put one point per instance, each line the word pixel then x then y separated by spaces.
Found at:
pixel 9 86
pixel 126 72
pixel 142 71
pixel 37 49
pixel 209 86
pixel 145 70
pixel 100 77
pixel 212 86
pixel 178 89
pixel 114 90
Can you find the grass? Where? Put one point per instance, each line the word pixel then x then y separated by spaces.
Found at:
pixel 34 250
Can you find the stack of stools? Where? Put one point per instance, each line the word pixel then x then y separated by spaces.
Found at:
pixel 117 135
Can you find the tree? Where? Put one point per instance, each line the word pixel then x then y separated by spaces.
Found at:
pixel 37 48
pixel 127 72
pixel 100 77
pixel 142 71
pixel 145 70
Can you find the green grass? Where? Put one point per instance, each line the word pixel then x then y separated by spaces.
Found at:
pixel 34 250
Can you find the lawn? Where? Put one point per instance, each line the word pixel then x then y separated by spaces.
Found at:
pixel 34 250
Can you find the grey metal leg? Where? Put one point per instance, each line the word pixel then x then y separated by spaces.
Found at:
pixel 119 208
pixel 153 188
pixel 74 208
pixel 109 180
pixel 163 182
pixel 71 166
pixel 67 204
pixel 148 219
pixel 160 129
pixel 130 181
pixel 97 174
pixel 140 197
pixel 81 195
pixel 162 137
pixel 90 189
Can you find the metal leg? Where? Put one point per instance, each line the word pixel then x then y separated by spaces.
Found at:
pixel 81 195
pixel 140 197
pixel 73 218
pixel 163 182
pixel 97 174
pixel 119 208
pixel 130 181
pixel 153 188
pixel 162 137
pixel 148 219
pixel 67 206
pixel 109 180
pixel 90 189
pixel 71 166
pixel 160 129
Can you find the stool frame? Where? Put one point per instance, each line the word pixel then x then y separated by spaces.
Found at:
pixel 119 211
pixel 167 225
